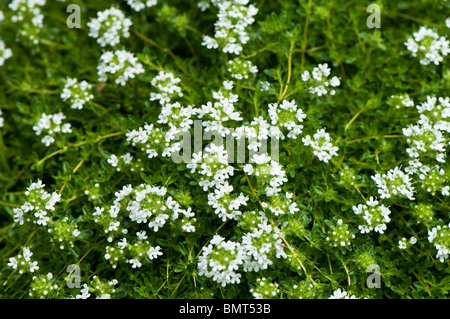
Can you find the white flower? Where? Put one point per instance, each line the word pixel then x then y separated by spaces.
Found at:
pixel 374 216
pixel 305 76
pixel 30 11
pixel 84 293
pixel 77 93
pixel 109 26
pixel 203 5
pixel 209 42
pixel 394 182
pixel 428 46
pixel 12 263
pixel 321 144
pixel 167 85
pixel 286 116
pixel 341 294
pixel 335 81
pixel 5 53
pixel 318 80
pixel 446 191
pixel 138 5
pixel 113 160
pixel 121 65
pixel 51 124
pixel 241 69
pixel 220 261
pixel 233 18
pixel 135 263
pixel 154 252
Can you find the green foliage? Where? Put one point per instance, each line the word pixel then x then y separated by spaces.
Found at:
pixel 364 118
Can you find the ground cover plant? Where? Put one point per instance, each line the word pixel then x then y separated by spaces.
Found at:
pixel 224 149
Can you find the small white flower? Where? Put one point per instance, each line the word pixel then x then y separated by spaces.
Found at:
pixel 113 160
pixel 5 53
pixel 305 76
pixel 154 252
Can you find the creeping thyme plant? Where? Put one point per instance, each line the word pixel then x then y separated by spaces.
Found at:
pixel 224 149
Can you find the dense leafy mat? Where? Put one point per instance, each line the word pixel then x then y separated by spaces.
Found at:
pixel 101 197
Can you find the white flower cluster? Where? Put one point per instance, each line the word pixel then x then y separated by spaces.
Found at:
pixel 5 53
pixel 203 5
pixel 428 46
pixel 427 143
pixel 230 28
pixel 436 112
pixel 341 294
pixel 39 203
pixel 134 254
pixel 121 65
pixel 440 237
pixel 50 125
pixel 321 144
pixel 264 289
pixel 147 203
pixel 109 26
pixel 240 69
pixel 423 138
pixel 178 119
pixel 261 245
pixel 286 116
pixel 214 115
pixel 100 289
pixel 138 5
pixel 281 204
pixel 77 93
pixel 2 120
pixel 431 179
pixel 403 244
pixel 225 204
pixel 27 11
pixel 23 262
pixel 375 216
pixel 63 232
pixel 401 100
pixel 148 139
pixel 43 286
pixel 394 183
pixel 318 80
pixel 256 134
pixel 339 235
pixel 221 260
pixel 142 204
pixel 212 165
pixel 167 85
pixel 270 173
pixel 119 162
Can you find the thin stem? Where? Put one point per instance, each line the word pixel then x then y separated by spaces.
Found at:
pixel 305 37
